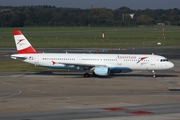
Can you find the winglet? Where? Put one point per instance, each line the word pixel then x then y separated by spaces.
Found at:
pixel 22 44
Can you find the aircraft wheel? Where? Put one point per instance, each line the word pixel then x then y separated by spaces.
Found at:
pixel 94 74
pixel 154 74
pixel 86 75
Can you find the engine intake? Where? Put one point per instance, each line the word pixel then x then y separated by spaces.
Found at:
pixel 101 71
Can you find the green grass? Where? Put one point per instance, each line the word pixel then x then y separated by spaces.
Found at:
pixel 18 66
pixel 85 37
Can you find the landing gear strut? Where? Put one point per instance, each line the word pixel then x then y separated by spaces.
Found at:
pixel 86 75
pixel 154 74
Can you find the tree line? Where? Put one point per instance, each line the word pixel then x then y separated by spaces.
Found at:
pixel 45 15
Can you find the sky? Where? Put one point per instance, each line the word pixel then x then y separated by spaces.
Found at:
pixel 86 4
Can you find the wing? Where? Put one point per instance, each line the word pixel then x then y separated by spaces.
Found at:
pixel 89 65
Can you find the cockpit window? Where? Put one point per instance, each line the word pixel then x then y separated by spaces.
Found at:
pixel 163 60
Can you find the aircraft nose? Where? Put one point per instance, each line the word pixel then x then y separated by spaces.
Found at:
pixel 170 65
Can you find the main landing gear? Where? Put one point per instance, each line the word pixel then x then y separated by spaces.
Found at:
pixel 154 74
pixel 86 75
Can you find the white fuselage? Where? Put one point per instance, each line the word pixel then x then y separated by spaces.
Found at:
pixel 112 61
pixel 98 64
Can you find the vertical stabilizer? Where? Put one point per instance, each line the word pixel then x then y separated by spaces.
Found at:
pixel 22 44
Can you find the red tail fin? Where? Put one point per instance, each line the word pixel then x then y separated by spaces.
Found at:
pixel 22 44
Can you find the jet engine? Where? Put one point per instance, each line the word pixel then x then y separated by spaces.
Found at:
pixel 101 71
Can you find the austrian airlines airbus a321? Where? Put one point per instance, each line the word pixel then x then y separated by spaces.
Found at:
pixel 97 64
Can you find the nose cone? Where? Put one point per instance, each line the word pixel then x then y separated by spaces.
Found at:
pixel 170 65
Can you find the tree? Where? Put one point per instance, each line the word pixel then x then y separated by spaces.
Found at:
pixel 144 20
pixel 52 16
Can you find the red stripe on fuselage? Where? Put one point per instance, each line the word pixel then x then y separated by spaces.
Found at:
pixel 29 50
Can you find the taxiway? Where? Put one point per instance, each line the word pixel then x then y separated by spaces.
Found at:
pixel 67 95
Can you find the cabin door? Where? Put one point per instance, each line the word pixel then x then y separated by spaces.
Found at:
pixel 119 61
pixel 153 61
pixel 36 61
pixel 79 60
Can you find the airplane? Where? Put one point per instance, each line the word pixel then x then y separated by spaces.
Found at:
pixel 96 64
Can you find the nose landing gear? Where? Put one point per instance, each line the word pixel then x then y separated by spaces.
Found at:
pixel 154 74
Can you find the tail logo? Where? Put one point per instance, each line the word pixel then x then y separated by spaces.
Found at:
pixel 53 62
pixel 141 59
pixel 19 41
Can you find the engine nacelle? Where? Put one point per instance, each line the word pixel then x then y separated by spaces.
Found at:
pixel 101 71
